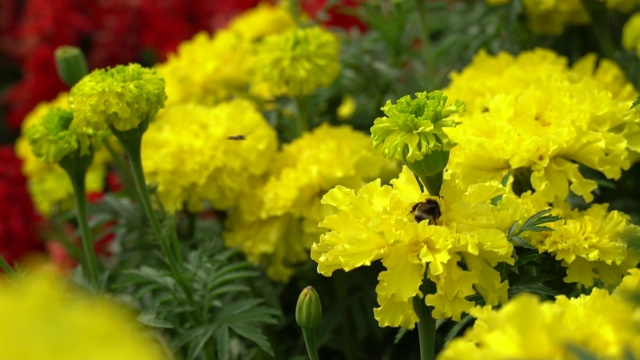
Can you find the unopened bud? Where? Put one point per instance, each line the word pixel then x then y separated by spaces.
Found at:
pixel 308 309
pixel 71 64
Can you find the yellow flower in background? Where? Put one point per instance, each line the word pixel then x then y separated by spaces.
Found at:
pixel 284 209
pixel 263 20
pixel 532 112
pixel 347 107
pixel 208 69
pixel 624 6
pixel 377 223
pixel 592 245
pixel 49 186
pixel 296 62
pixel 198 153
pixel 526 328
pixel 121 97
pixel 631 34
pixel 45 318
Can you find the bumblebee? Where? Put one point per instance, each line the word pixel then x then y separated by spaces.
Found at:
pixel 427 210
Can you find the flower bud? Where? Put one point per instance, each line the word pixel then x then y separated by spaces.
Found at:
pixel 71 64
pixel 308 308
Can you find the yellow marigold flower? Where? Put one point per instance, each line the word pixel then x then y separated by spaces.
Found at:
pixel 207 69
pixel 44 318
pixel 413 128
pixel 265 19
pixel 296 62
pixel 315 162
pixel 276 223
pixel 52 138
pixel 211 157
pixel 631 34
pixel 552 16
pixel 534 112
pixel 591 244
pixel 526 328
pixel 624 6
pixel 380 223
pixel 121 97
pixel 48 185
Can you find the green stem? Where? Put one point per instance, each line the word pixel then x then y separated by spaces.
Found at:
pixel 135 160
pixel 122 167
pixel 426 322
pixel 601 31
pixel 309 334
pixel 302 106
pixel 433 183
pixel 90 259
pixel 4 265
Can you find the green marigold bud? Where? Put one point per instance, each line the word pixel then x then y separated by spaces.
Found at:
pixel 413 128
pixel 308 308
pixel 53 137
pixel 71 64
pixel 296 62
pixel 119 98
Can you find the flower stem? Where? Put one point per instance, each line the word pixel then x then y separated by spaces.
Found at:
pixel 425 37
pixel 309 334
pixel 90 259
pixel 426 322
pixel 133 149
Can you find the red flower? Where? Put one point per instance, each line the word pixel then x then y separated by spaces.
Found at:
pixel 18 218
pixel 338 15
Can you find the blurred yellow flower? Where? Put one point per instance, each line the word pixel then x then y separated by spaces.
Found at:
pixel 526 328
pixel 198 153
pixel 45 318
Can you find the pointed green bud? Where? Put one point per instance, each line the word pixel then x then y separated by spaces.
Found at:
pixel 308 308
pixel 71 64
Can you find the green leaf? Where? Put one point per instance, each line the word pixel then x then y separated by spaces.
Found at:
pixel 149 318
pixel 200 342
pixel 254 334
pixel 520 241
pixel 635 103
pixel 222 343
pixel 455 330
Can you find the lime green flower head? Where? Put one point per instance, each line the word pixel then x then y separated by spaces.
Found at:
pixel 414 128
pixel 121 97
pixel 52 138
pixel 296 62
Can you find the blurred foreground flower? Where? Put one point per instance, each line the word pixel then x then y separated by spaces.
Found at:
pixel 599 325
pixel 45 318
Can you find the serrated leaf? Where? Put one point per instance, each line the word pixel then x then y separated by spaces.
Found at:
pixel 150 319
pixel 635 103
pixel 520 241
pixel 254 334
pixel 194 350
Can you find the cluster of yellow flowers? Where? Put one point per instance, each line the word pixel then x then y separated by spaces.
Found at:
pixel 276 222
pixel 553 16
pixel 46 318
pixel 532 112
pixel 263 53
pixel 602 325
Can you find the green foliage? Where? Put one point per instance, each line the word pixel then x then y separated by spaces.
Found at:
pixel 534 223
